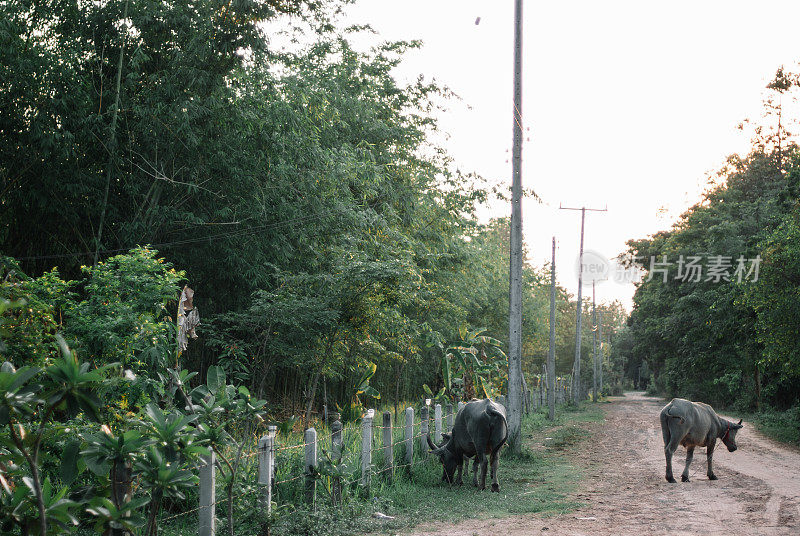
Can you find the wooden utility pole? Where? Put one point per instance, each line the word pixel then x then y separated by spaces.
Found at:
pixel 576 368
pixel 551 354
pixel 515 268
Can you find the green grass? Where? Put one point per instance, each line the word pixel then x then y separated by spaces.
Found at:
pixel 783 426
pixel 538 480
pixel 535 481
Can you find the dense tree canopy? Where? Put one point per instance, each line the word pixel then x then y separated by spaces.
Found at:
pixel 726 334
pixel 295 186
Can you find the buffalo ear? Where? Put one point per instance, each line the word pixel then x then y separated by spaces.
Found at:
pixel 446 437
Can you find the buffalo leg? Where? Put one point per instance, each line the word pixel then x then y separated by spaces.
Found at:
pixel 481 456
pixel 495 461
pixel 460 467
pixel 669 450
pixel 475 471
pixel 689 456
pixel 710 458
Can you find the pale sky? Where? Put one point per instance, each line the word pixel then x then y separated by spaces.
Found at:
pixel 630 104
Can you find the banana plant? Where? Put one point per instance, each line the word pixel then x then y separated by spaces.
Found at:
pixel 355 409
pixel 477 360
pixel 363 388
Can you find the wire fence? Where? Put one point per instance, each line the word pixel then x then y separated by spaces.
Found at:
pixel 329 466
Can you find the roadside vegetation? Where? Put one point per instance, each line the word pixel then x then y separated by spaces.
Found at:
pixel 781 426
pixel 730 341
pixel 538 480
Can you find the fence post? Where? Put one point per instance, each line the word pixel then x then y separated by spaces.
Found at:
pixel 336 452
pixel 423 441
pixel 450 416
pixel 206 523
pixel 310 439
pixel 501 399
pixel 265 476
pixel 388 446
pixel 437 423
pixel 272 431
pixel 409 436
pixel 366 448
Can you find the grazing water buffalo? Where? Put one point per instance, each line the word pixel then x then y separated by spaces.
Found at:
pixel 479 430
pixel 694 424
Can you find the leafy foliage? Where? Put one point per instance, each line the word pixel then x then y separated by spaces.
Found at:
pixel 731 341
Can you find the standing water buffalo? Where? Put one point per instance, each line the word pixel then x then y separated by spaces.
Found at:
pixel 694 424
pixel 480 429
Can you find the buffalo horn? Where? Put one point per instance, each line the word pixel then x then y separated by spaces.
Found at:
pixel 430 443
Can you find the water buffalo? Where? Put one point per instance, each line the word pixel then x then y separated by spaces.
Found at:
pixel 480 429
pixel 694 424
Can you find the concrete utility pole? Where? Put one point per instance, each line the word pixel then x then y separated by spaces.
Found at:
pixel 576 368
pixel 551 354
pixel 600 338
pixel 594 349
pixel 515 268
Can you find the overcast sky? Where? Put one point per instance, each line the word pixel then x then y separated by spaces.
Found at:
pixel 630 104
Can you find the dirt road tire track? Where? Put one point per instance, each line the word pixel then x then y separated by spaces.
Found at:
pixel 758 491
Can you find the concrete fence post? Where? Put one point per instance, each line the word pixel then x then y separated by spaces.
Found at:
pixel 502 401
pixel 437 423
pixel 206 525
pixel 336 451
pixel 310 440
pixel 450 417
pixel 272 431
pixel 388 447
pixel 366 448
pixel 265 474
pixel 423 441
pixel 409 435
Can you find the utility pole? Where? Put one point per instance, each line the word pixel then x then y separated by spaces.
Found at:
pixel 515 268
pixel 551 354
pixel 594 349
pixel 576 368
pixel 600 338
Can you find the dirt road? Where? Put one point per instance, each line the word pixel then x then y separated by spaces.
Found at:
pixel 758 491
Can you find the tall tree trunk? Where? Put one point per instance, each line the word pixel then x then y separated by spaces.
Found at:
pixel 758 388
pixel 310 400
pixel 152 515
pixel 112 144
pixel 397 369
pixel 315 381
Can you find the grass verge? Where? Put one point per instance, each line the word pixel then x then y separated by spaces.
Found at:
pixel 783 426
pixel 539 480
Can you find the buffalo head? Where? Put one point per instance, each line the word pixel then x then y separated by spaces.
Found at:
pixel 729 439
pixel 446 456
